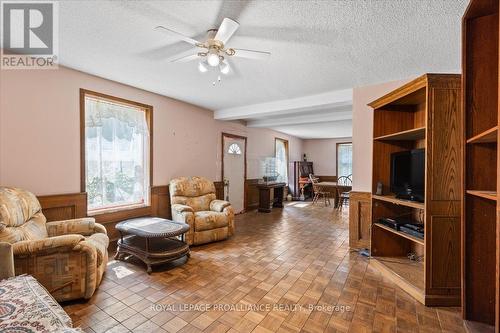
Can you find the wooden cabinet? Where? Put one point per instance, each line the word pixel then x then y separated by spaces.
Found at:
pixel 424 113
pixel 360 216
pixel 299 169
pixel 480 217
pixel 270 195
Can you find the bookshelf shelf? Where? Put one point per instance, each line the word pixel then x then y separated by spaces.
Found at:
pixel 488 136
pixel 401 234
pixel 394 200
pixel 411 134
pixel 490 195
pixel 404 272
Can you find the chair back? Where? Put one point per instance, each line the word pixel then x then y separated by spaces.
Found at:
pixel 21 216
pixel 195 192
pixel 313 179
pixel 344 181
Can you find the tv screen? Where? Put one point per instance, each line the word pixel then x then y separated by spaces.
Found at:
pixel 408 174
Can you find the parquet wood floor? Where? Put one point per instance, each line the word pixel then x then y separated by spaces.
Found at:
pixel 290 257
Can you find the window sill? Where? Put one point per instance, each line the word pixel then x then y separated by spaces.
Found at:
pixel 116 209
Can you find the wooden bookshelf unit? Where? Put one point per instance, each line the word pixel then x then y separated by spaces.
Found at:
pixel 481 212
pixel 424 113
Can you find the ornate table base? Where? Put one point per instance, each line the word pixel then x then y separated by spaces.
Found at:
pixel 152 251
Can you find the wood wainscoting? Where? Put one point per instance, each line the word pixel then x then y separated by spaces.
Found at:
pixel 251 194
pixel 219 190
pixel 327 178
pixel 64 206
pixel 360 216
pixel 71 206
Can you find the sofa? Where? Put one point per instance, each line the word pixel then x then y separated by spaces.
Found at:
pixel 25 305
pixel 194 202
pixel 67 257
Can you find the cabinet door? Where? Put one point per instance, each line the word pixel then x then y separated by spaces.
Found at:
pixel 443 191
pixel 360 211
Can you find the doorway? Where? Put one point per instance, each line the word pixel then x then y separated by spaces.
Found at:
pixel 234 169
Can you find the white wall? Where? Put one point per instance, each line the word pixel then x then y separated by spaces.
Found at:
pixel 362 132
pixel 323 153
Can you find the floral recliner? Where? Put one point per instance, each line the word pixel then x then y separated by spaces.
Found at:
pixel 193 202
pixel 67 257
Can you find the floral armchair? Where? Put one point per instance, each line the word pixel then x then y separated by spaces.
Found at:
pixel 67 257
pixel 193 202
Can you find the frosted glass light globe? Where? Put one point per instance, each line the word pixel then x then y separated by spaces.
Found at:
pixel 213 59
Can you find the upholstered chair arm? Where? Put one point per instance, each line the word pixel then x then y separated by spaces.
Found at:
pixel 185 214
pixel 6 261
pixel 84 226
pixel 48 245
pixel 182 208
pixel 218 205
pixel 76 251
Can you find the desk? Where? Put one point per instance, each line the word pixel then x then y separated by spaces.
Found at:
pixel 335 188
pixel 270 195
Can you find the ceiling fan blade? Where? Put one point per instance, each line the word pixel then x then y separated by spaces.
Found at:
pixel 180 55
pixel 231 8
pixel 177 34
pixel 185 56
pixel 227 28
pixel 251 54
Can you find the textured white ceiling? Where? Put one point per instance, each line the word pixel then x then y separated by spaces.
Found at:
pixel 321 130
pixel 317 46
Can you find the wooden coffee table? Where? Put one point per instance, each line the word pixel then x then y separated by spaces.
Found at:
pixel 153 240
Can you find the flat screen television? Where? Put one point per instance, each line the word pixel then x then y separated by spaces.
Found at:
pixel 408 174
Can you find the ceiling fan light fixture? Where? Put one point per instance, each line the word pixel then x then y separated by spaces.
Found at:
pixel 202 67
pixel 213 60
pixel 224 68
pixel 212 52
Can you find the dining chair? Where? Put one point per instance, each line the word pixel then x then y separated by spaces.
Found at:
pixel 344 183
pixel 318 191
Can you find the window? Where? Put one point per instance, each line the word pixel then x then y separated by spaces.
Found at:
pixel 234 149
pixel 281 154
pixel 116 152
pixel 344 159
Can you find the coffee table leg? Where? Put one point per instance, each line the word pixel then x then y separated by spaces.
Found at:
pixel 117 254
pixel 149 270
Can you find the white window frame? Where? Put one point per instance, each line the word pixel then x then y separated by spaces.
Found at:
pixel 337 157
pixel 287 154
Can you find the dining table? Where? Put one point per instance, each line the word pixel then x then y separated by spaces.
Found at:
pixel 335 188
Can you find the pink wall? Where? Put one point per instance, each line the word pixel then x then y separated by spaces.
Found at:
pixel 40 132
pixel 323 153
pixel 362 132
pixel 260 144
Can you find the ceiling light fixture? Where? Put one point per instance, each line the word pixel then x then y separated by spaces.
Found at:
pixel 202 67
pixel 213 53
pixel 213 58
pixel 224 68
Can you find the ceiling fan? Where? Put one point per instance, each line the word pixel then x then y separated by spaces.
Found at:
pixel 213 53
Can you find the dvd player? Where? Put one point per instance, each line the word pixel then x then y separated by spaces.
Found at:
pixel 394 223
pixel 413 229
